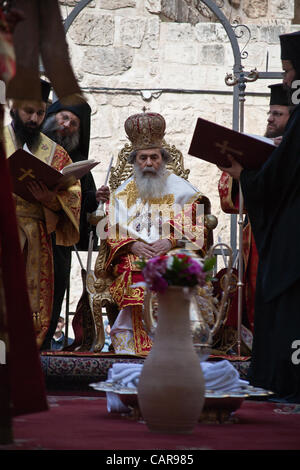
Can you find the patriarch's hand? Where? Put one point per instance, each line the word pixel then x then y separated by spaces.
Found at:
pixel 102 194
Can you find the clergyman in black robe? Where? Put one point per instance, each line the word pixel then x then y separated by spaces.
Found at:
pixel 272 200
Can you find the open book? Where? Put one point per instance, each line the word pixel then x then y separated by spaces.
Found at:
pixel 78 169
pixel 262 138
pixel 25 167
pixel 214 143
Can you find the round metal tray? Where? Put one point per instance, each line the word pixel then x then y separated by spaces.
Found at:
pixel 218 406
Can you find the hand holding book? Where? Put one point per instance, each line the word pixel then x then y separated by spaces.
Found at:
pixel 215 144
pixel 25 168
pixel 234 170
pixel 41 193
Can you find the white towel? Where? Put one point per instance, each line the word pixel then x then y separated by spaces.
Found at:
pixel 126 375
pixel 114 404
pixel 219 376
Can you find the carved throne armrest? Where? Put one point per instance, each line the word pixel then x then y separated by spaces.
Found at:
pixel 102 298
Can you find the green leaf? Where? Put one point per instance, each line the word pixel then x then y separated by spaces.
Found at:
pixel 141 264
pixel 209 264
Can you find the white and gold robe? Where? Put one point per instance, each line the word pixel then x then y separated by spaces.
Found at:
pixel 131 219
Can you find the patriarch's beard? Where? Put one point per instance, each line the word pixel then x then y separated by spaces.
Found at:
pixel 150 182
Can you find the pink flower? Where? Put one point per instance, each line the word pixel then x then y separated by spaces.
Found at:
pixel 196 269
pixel 179 269
pixel 154 269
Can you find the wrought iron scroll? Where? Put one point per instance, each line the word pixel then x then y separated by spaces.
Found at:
pixel 240 30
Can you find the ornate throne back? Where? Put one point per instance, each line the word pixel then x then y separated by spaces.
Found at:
pixel 102 298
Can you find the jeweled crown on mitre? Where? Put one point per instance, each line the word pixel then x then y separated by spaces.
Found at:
pixel 145 130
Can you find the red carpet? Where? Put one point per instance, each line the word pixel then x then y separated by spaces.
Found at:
pixel 82 423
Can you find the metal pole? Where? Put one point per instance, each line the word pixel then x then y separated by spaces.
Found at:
pixel 240 284
pixel 238 125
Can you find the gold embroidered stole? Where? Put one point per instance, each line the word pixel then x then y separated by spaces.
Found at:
pixel 44 152
pixel 30 215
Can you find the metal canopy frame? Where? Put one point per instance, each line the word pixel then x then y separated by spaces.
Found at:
pixel 239 80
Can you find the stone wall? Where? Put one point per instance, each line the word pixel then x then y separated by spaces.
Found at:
pixel 119 47
pixel 193 11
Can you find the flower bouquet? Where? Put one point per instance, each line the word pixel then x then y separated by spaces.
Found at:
pixel 178 269
pixel 182 269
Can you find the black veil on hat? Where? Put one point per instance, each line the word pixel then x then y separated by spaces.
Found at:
pixel 83 112
pixel 45 90
pixel 290 49
pixel 279 95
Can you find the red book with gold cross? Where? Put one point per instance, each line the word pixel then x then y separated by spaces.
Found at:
pixel 213 143
pixel 25 167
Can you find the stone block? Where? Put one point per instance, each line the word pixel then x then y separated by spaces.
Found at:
pixel 92 30
pixel 210 32
pixel 153 6
pixel 220 33
pixel 282 9
pixel 154 70
pixel 169 9
pixel 103 127
pixel 255 8
pixel 132 31
pixel 270 34
pixel 257 56
pixel 176 123
pixel 212 54
pixel 152 33
pixel 172 32
pixel 116 4
pixel 120 100
pixel 97 100
pixel 186 53
pixel 107 60
pixel 181 11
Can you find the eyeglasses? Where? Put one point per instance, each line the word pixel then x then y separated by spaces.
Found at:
pixel 72 122
pixel 275 114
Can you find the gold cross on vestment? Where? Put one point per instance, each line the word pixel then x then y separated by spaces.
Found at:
pixel 224 148
pixel 26 173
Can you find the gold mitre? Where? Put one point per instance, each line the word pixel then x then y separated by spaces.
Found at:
pixel 145 130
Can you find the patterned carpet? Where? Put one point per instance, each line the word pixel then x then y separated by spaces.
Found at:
pixel 74 370
pixel 71 370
